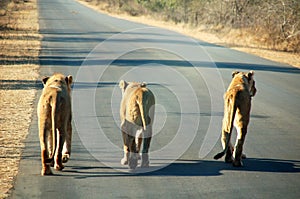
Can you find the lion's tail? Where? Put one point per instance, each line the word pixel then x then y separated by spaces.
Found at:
pixel 229 113
pixel 53 119
pixel 143 108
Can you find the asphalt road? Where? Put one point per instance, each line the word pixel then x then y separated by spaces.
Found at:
pixel 188 78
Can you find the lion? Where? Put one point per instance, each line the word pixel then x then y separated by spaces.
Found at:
pixel 237 105
pixel 137 116
pixel 54 120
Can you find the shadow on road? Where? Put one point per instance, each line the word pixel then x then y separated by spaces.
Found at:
pixel 66 55
pixel 65 61
pixel 193 168
pixel 92 85
pixel 70 61
pixel 20 84
pixel 214 168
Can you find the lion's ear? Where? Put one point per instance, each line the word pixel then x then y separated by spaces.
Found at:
pixel 45 79
pixel 69 80
pixel 250 75
pixel 122 84
pixel 234 73
pixel 144 84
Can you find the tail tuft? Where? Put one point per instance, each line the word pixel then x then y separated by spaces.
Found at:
pixel 219 155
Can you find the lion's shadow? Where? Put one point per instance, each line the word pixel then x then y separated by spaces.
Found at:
pixel 214 168
pixel 195 168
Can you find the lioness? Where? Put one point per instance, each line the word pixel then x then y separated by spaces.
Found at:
pixel 137 116
pixel 237 105
pixel 54 118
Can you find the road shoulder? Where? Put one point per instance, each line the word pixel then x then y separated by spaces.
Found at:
pixel 20 44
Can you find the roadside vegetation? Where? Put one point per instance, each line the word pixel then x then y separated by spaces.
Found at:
pixel 272 24
pixel 19 48
pixel 269 29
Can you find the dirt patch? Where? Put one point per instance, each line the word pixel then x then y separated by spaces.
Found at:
pixel 235 39
pixel 19 49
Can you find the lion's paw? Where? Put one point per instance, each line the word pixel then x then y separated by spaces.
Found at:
pixel 228 159
pixel 243 156
pixel 132 164
pixel 237 163
pixel 65 158
pixel 59 167
pixel 145 164
pixel 145 160
pixel 46 171
pixel 133 161
pixel 124 161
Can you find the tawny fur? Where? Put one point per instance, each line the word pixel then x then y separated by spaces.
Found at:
pixel 54 118
pixel 237 105
pixel 137 115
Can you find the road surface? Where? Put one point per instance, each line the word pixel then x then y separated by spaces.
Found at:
pixel 188 78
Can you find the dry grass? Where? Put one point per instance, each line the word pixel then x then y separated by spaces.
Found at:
pixel 19 48
pixel 242 40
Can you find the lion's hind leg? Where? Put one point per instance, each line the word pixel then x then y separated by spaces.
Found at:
pixel 46 164
pixel 226 138
pixel 133 159
pixel 46 161
pixel 124 160
pixel 145 153
pixel 138 141
pixel 241 123
pixel 238 149
pixel 58 152
pixel 227 125
pixel 146 145
pixel 66 153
